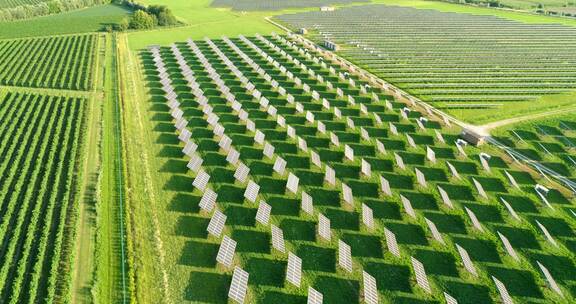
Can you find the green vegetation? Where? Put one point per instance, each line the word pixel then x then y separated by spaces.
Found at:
pixel 16 10
pixel 258 5
pixel 41 140
pixel 86 20
pixel 53 62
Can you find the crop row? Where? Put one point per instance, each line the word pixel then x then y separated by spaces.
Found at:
pixel 41 140
pixel 54 62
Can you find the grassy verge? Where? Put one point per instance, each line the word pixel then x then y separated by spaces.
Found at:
pixel 111 284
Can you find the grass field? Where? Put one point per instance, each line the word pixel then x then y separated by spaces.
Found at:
pixel 86 20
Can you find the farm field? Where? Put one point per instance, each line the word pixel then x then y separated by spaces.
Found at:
pixel 428 54
pixel 16 3
pixel 53 62
pixel 88 20
pixel 41 139
pixel 251 110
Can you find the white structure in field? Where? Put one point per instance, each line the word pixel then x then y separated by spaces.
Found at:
pixel 314 297
pixel 391 242
pixel 344 256
pixel 277 238
pixel 208 200
pixel 324 227
pixel 421 277
pixel 370 289
pixel 263 213
pixel 251 191
pixel 225 254
pixel 294 269
pixel 239 285
pixel 216 224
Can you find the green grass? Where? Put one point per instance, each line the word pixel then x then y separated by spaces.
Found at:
pixel 87 20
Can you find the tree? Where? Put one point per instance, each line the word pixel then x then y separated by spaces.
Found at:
pixel 123 25
pixel 142 20
pixel 163 14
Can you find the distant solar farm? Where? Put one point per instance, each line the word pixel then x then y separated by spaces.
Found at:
pixel 450 59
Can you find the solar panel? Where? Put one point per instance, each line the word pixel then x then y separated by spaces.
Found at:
pixel 321 127
pixel 219 130
pixel 431 155
pixel 461 149
pixel 225 142
pixel 195 163
pixel 512 180
pixel 277 238
pixel 310 117
pixel 259 137
pixel 290 131
pixel 439 136
pixel 506 298
pixel 399 161
pixel 344 256
pixel 232 156
pixel 324 227
pixel 411 141
pixel 479 188
pixel 208 200
pixel 314 297
pixel 347 194
pixel 225 254
pixel 294 269
pixel 334 139
pixel 315 159
pixel 367 216
pixel 184 135
pixel 420 177
pixel 510 209
pixel 325 103
pixel 474 219
pixel 449 299
pixel 307 205
pixel 370 289
pixel 435 233
pixel 508 246
pixel 393 128
pixel 553 285
pixel 239 285
pixel 349 152
pixel 241 172
pixel 453 170
pixel 484 161
pixel 385 186
pixel 407 206
pixel 350 123
pixel 330 175
pixel 302 144
pixel 542 191
pixel 337 113
pixel 201 180
pixel 279 165
pixel 421 277
pixel 366 168
pixel 190 148
pixel 364 134
pixel 292 184
pixel 466 260
pixel 547 234
pixel 268 150
pixel 380 146
pixel 272 111
pixel 281 121
pixel 391 242
pixel 263 213
pixel 445 198
pixel 216 224
pixel 251 191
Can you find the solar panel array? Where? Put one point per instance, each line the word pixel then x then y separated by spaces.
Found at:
pixel 230 111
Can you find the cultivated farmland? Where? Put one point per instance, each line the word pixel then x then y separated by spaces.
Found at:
pixel 40 138
pixel 450 59
pixel 16 3
pixel 274 152
pixel 63 62
pixel 273 5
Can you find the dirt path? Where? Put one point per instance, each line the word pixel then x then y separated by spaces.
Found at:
pixel 504 122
